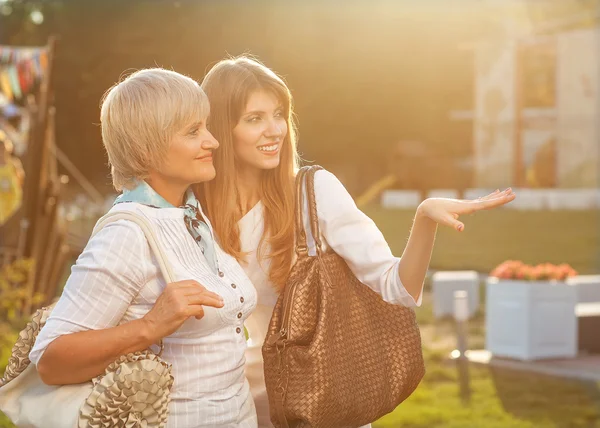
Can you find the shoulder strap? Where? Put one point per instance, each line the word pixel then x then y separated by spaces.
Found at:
pixel 301 246
pixel 312 207
pixel 307 175
pixel 163 262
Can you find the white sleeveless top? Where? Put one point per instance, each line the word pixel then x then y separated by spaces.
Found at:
pixel 350 233
pixel 116 279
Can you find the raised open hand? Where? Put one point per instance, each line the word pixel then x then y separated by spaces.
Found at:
pixel 446 211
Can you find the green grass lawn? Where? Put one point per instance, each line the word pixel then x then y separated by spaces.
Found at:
pixel 500 398
pixel 490 237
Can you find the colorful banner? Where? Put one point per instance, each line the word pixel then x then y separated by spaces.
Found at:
pixel 21 71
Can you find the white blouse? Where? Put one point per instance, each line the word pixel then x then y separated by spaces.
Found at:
pixel 117 279
pixel 350 233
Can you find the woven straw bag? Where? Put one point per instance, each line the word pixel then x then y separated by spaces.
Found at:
pixel 336 354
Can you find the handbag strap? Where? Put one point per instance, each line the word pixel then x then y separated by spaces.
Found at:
pixel 301 246
pixel 306 175
pixel 161 258
pixel 312 207
pixel 163 262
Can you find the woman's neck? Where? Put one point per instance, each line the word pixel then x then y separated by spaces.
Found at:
pixel 170 192
pixel 248 185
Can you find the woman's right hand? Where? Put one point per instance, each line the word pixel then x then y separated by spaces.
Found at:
pixel 179 301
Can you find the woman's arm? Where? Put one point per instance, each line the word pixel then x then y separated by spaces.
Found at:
pixel 416 257
pixel 356 238
pixel 79 357
pixel 82 336
pixel 417 254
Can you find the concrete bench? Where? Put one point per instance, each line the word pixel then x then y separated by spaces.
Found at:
pixel 588 327
pixel 588 288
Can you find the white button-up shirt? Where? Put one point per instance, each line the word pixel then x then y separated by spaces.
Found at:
pixel 117 279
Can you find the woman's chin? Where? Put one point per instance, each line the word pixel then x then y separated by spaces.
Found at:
pixel 206 174
pixel 269 163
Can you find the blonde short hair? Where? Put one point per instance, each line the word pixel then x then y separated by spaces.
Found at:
pixel 139 117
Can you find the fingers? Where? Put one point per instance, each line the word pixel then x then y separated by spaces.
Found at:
pixel 193 296
pixel 190 287
pixel 496 201
pixel 196 312
pixel 491 195
pixel 454 208
pixel 188 284
pixel 196 303
pixel 203 292
pixel 205 300
pixel 454 223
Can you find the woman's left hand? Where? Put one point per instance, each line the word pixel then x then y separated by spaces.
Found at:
pixel 446 211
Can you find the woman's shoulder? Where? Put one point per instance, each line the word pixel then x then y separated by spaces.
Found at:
pixel 132 207
pixel 325 180
pixel 325 177
pixel 331 196
pixel 328 185
pixel 122 229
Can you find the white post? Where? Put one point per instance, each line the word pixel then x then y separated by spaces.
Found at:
pixel 461 315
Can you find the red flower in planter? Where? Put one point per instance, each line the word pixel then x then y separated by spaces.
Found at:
pixel 515 269
pixel 531 273
pixel 564 271
pixel 520 274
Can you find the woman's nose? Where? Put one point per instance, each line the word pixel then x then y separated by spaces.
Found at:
pixel 210 142
pixel 275 129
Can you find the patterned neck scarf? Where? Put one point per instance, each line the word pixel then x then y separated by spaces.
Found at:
pixel 198 227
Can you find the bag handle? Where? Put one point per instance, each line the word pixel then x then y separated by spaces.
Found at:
pixel 312 207
pixel 307 175
pixel 163 262
pixel 301 246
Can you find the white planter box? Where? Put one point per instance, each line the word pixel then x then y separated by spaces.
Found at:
pixel 530 320
pixel 588 288
pixel 445 283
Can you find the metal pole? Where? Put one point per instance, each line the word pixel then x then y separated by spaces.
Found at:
pixel 461 315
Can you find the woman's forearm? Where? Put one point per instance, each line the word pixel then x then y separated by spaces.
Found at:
pixel 79 357
pixel 417 254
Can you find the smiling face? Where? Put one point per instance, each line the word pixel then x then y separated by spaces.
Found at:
pixel 260 132
pixel 189 158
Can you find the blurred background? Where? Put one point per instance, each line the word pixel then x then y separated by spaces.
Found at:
pixel 402 100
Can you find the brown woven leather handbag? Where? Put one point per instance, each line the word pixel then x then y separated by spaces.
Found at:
pixel 336 354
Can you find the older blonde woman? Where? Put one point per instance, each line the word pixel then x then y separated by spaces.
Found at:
pixel 116 301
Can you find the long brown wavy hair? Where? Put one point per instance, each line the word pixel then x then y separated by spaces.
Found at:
pixel 229 85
